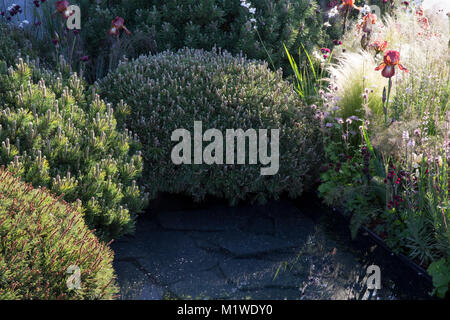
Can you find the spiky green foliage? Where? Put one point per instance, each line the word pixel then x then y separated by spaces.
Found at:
pixel 172 25
pixel 59 137
pixel 40 238
pixel 168 91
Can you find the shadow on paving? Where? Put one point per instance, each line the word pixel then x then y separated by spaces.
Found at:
pixel 283 250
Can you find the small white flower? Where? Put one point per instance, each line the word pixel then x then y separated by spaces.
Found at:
pixel 245 4
pixel 405 135
pixel 365 10
pixel 333 12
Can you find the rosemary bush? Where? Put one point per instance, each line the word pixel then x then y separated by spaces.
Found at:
pixel 40 238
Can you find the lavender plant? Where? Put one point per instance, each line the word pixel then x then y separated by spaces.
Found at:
pixel 168 91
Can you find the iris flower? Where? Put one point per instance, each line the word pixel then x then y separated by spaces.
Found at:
pixel 390 60
pixel 348 4
pixel 379 46
pixel 62 7
pixel 368 20
pixel 116 25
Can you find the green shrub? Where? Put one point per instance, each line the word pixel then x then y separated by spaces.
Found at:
pixel 169 91
pixel 172 25
pixel 440 271
pixel 40 238
pixel 14 43
pixel 55 135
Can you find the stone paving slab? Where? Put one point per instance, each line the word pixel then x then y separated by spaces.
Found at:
pixel 203 285
pixel 219 219
pixel 252 274
pixel 134 284
pixel 234 253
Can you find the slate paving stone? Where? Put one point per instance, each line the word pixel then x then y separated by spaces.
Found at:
pixel 251 274
pixel 234 253
pixel 134 285
pixel 262 225
pixel 219 219
pixel 203 285
pixel 239 243
pixel 267 294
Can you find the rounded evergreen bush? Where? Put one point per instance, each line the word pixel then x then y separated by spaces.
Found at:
pixel 43 243
pixel 170 91
pixel 56 135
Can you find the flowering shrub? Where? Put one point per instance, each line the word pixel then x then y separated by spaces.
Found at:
pixel 168 91
pixel 55 135
pixel 40 238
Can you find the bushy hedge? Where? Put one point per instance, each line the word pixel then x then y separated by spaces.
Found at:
pixel 174 24
pixel 169 91
pixel 58 136
pixel 40 238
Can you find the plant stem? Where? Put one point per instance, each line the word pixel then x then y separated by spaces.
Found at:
pixel 267 52
pixel 387 101
pixel 345 20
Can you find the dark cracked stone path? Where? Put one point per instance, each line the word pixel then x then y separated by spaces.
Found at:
pixel 275 251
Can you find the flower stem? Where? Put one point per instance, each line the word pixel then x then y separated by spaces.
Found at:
pixel 267 52
pixel 387 101
pixel 345 20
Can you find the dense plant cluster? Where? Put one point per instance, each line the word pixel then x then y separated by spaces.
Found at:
pixel 369 103
pixel 40 238
pixel 257 28
pixel 65 139
pixel 14 43
pixel 386 125
pixel 168 91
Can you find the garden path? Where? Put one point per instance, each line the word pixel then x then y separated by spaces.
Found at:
pixel 234 253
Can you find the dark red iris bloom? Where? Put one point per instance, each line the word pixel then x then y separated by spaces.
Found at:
pixel 390 60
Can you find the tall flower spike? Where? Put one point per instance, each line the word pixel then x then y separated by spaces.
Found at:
pixel 390 60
